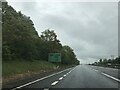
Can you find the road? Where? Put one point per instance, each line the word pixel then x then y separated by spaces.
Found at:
pixel 81 76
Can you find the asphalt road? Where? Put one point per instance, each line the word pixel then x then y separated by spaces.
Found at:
pixel 111 71
pixel 81 76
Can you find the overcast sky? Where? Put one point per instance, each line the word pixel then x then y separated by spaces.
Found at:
pixel 90 28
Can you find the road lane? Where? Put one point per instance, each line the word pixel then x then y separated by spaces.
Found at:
pixel 47 83
pixel 81 76
pixel 111 71
pixel 85 77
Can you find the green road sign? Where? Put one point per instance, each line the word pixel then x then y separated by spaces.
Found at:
pixel 54 57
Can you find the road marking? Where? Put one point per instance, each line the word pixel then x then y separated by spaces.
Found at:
pixel 39 79
pixel 71 70
pixel 95 70
pixel 54 83
pixel 111 77
pixel 60 78
pixel 65 75
pixel 46 89
pixel 68 72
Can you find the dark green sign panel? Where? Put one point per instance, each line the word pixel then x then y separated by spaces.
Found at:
pixel 54 57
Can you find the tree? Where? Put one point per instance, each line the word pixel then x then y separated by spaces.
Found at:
pixel 100 61
pixel 21 40
pixel 68 56
pixel 105 61
pixel 49 37
pixel 19 34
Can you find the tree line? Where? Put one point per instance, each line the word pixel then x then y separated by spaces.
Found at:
pixel 115 62
pixel 21 40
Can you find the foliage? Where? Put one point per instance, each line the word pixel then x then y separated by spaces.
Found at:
pixel 68 56
pixel 18 34
pixel 21 40
pixel 109 62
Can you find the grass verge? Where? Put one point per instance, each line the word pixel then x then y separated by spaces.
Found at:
pixel 10 68
pixel 19 69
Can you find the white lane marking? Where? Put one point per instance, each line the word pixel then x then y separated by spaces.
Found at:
pixel 46 89
pixel 54 83
pixel 39 79
pixel 111 77
pixel 60 78
pixel 65 75
pixel 95 70
pixel 68 72
pixel 71 70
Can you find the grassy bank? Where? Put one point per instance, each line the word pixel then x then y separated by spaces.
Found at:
pixel 20 69
pixel 10 68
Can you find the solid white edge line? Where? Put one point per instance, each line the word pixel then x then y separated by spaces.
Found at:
pixel 54 83
pixel 39 79
pixel 111 77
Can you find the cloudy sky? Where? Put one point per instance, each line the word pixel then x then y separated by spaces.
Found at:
pixel 90 28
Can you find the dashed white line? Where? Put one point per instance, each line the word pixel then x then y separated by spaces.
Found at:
pixel 65 75
pixel 39 79
pixel 95 70
pixel 60 78
pixel 71 70
pixel 68 73
pixel 54 83
pixel 46 89
pixel 111 77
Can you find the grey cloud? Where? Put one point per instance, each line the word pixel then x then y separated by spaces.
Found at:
pixel 89 28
